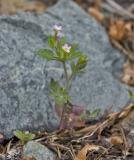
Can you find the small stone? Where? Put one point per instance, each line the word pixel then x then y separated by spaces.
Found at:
pixel 38 151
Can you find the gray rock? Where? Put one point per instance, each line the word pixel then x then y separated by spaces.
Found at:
pixel 24 76
pixel 38 151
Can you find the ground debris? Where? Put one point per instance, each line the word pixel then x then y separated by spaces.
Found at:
pixel 13 6
pixel 111 137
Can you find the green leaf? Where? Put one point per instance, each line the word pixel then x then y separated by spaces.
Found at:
pixel 54 85
pixel 24 136
pixel 60 54
pixel 131 94
pixel 59 93
pixel 51 42
pixel 82 62
pixel 46 54
pixel 73 67
pixel 74 55
pixel 80 65
pixel 62 41
pixel 74 52
pixel 95 113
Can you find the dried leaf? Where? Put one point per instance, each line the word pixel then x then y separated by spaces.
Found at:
pixel 98 15
pixel 97 4
pixel 128 73
pixel 116 140
pixel 119 29
pixel 87 148
pixel 15 153
pixel 28 158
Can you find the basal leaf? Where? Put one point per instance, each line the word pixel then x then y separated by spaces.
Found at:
pixel 24 136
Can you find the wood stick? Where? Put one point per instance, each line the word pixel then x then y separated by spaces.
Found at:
pixel 120 10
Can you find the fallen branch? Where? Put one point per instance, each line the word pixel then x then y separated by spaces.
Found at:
pixel 120 10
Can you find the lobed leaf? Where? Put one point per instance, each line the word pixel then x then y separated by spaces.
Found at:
pixel 46 54
pixel 80 65
pixel 24 136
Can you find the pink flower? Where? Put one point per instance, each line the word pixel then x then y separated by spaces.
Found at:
pixel 66 48
pixel 57 28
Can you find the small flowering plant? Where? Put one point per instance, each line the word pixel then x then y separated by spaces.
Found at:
pixel 65 53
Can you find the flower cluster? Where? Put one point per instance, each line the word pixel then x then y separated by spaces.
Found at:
pixel 58 34
pixel 57 28
pixel 66 47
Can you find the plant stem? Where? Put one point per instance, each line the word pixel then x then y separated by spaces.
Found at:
pixel 64 122
pixel 66 76
pixel 70 79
